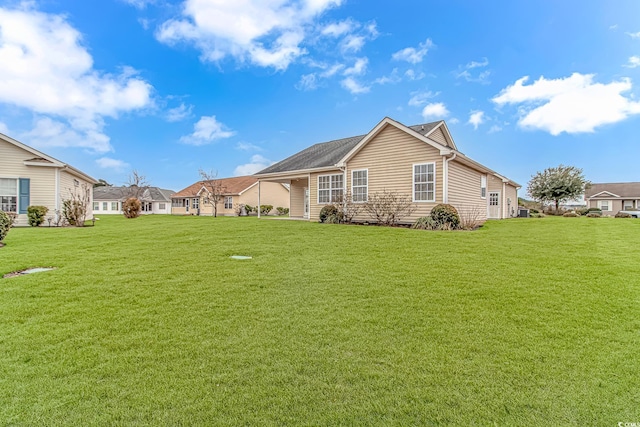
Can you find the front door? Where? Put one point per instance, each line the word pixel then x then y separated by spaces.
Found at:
pixel 494 205
pixel 306 202
pixel 186 205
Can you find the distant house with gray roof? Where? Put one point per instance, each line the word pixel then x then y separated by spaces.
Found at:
pixel 108 200
pixel 613 197
pixel 421 162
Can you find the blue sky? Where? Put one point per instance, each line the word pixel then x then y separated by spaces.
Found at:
pixel 167 88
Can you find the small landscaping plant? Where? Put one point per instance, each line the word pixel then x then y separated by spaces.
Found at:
pixel 594 214
pixel 282 211
pixel 623 215
pixel 445 215
pixel 570 214
pixel 5 225
pixel 36 215
pixel 131 207
pixel 389 207
pixel 248 209
pixel 424 223
pixel 265 209
pixel 330 214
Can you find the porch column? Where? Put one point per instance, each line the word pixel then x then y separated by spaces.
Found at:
pixel 258 198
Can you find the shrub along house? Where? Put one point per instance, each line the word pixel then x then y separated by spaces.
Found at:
pixel 154 200
pixel 612 198
pixel 30 177
pixel 421 162
pixel 241 190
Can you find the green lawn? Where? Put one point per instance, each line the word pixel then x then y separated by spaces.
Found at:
pixel 148 321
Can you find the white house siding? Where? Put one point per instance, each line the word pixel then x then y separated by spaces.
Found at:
pixel 297 197
pixel 389 158
pixel 465 191
pixel 42 178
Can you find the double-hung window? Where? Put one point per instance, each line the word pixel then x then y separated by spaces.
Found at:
pixel 330 188
pixel 424 182
pixel 604 205
pixel 96 206
pixel 9 195
pixel 104 206
pixel 359 185
pixel 228 202
pixel 114 206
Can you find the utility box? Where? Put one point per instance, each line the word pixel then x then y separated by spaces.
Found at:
pixel 523 213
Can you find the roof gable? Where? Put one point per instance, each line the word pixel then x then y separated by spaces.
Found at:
pixel 614 189
pixel 232 186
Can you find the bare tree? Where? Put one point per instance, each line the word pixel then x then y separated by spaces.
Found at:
pixel 74 209
pixel 348 207
pixel 136 185
pixel 215 188
pixel 389 207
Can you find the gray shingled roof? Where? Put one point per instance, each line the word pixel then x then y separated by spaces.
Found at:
pixel 327 154
pixel 622 189
pixel 118 193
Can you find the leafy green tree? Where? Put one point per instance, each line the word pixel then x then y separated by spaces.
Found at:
pixel 557 185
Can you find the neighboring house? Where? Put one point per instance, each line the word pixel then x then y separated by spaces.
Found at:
pixel 108 200
pixel 421 162
pixel 241 190
pixel 613 197
pixel 29 177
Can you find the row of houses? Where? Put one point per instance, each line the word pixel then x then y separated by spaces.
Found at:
pixel 422 162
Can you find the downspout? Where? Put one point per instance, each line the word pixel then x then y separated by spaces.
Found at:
pixel 445 177
pixel 58 195
pixel 504 200
pixel 258 198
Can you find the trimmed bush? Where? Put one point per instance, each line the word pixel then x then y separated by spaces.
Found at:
pixel 131 207
pixel 265 209
pixel 583 211
pixel 328 211
pixel 5 225
pixel 12 218
pixel 36 215
pixel 424 223
pixel 623 215
pixel 595 210
pixel 445 216
pixel 570 215
pixel 532 211
pixel 282 211
pixel 248 209
pixel 594 214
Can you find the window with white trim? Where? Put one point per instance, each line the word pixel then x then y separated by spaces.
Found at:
pixel 96 206
pixel 105 205
pixel 627 205
pixel 228 202
pixel 604 205
pixel 483 186
pixel 114 206
pixel 9 194
pixel 162 206
pixel 147 206
pixel 359 185
pixel 330 188
pixel 424 182
pixel 195 204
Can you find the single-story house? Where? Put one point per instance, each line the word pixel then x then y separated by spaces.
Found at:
pixel 614 197
pixel 421 162
pixel 241 190
pixel 108 200
pixel 29 177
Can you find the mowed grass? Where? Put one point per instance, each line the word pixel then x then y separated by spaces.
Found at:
pixel 149 322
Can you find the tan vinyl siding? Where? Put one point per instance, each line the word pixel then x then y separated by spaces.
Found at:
pixel 314 206
pixel 70 184
pixel 297 198
pixel 389 158
pixel 42 184
pixel 271 193
pixel 438 136
pixel 464 191
pixel 511 210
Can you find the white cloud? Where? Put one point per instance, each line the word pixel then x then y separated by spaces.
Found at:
pixel 360 67
pixel 352 43
pixel 420 98
pixel 466 72
pixel 46 70
pixel 4 128
pixel 494 129
pixel 247 146
pixel 436 110
pixel 634 61
pixel 331 71
pixel 353 86
pixel 572 104
pixel 413 55
pixel 412 75
pixel 307 82
pixel 139 4
pixel 265 33
pixel 256 164
pixel 115 164
pixel 476 118
pixel 634 35
pixel 454 121
pixel 47 132
pixel 179 113
pixel 337 29
pixel 206 131
pixel 613 27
